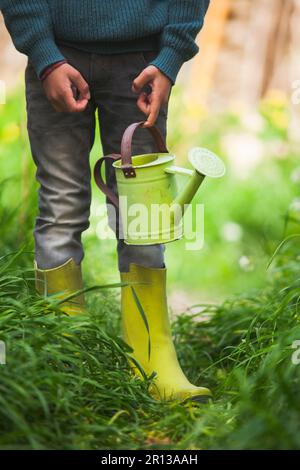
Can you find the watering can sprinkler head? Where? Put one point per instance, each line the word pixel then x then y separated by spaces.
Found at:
pixel 206 163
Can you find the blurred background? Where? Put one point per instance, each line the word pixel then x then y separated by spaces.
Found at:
pixel 240 97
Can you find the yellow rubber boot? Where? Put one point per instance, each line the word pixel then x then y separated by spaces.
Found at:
pixel 149 290
pixel 65 279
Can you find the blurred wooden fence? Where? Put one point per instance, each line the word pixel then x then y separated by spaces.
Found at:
pixel 11 62
pixel 246 48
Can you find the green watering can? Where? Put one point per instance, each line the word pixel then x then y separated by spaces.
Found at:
pixel 150 206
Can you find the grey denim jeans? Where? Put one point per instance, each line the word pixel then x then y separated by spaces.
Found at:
pixel 61 145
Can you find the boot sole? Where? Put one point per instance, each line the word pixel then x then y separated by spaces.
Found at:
pixel 201 399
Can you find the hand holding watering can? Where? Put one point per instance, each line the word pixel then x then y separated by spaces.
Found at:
pixel 151 207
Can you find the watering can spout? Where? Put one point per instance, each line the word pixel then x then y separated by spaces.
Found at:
pixel 205 163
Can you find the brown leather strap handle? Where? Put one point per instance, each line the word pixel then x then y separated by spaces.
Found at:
pixel 126 146
pixel 99 180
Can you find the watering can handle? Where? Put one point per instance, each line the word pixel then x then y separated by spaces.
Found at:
pixel 126 146
pixel 100 182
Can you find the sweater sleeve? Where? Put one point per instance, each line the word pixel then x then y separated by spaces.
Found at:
pixel 177 41
pixel 30 26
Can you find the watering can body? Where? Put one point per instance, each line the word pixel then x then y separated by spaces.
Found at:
pixel 146 201
pixel 150 204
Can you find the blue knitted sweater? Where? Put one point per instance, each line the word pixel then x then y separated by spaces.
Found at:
pixel 38 27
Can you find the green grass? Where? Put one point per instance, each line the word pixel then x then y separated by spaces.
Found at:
pixel 66 384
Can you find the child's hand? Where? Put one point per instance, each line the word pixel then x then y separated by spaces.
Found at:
pixel 161 88
pixel 59 87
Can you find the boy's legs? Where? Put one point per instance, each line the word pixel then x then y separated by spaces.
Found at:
pixel 60 144
pixel 117 110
